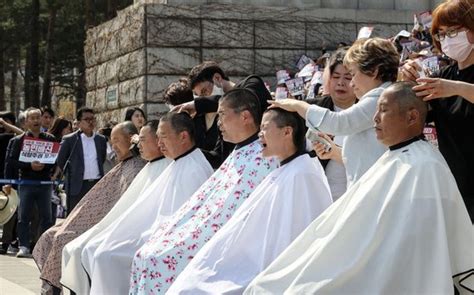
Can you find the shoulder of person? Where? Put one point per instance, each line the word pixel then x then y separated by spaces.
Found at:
pixel 48 136
pixel 322 101
pixel 101 137
pixel 71 135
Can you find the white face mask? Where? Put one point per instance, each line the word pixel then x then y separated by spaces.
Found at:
pixel 217 91
pixel 457 48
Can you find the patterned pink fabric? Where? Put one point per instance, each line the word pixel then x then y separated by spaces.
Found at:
pixel 89 211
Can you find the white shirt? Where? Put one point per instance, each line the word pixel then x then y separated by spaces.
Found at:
pixel 335 171
pixel 361 148
pixel 91 166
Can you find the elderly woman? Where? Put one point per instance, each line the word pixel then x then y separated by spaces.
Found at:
pixel 91 209
pixel 451 96
pixel 373 64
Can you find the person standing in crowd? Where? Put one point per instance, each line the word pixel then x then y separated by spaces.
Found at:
pixel 47 118
pixel 373 64
pixel 137 116
pixel 209 82
pixel 208 137
pixel 341 96
pixel 59 128
pixel 7 132
pixel 73 271
pixel 279 209
pixel 402 228
pixel 30 194
pixel 81 158
pixel 91 209
pixel 451 95
pixel 213 204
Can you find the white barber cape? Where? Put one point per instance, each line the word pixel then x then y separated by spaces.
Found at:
pixel 73 275
pixel 279 209
pixel 107 258
pixel 401 229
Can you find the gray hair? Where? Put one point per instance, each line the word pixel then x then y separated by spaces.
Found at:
pixel 127 127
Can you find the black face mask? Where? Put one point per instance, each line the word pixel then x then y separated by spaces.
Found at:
pixel 135 150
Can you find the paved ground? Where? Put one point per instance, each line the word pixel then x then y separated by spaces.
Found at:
pixel 18 275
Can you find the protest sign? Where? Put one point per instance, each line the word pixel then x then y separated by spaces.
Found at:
pixel 281 93
pixel 295 86
pixel 35 149
pixel 365 32
pixel 303 61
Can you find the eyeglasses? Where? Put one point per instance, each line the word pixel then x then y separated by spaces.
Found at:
pixel 451 33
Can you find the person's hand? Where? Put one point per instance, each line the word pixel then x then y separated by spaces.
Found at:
pixel 135 139
pixel 7 189
pixel 431 88
pixel 288 104
pixel 187 107
pixel 37 166
pixel 320 148
pixel 409 71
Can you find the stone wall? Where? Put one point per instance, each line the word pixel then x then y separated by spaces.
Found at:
pixel 131 59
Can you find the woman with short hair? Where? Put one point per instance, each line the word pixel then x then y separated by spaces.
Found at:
pixel 373 64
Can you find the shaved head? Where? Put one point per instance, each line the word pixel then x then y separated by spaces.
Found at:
pixel 406 98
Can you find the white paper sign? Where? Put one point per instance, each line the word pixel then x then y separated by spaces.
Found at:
pixel 365 32
pixel 40 150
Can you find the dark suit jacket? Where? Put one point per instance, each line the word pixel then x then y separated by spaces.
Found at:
pixel 71 145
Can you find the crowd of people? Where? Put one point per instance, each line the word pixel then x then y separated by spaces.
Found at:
pixel 325 185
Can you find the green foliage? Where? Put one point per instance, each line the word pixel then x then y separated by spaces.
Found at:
pixel 67 58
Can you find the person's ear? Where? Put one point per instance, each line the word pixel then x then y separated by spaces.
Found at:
pixel 470 36
pixel 217 80
pixel 413 117
pixel 375 73
pixel 288 131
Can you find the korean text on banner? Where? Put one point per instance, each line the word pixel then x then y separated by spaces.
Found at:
pixel 40 150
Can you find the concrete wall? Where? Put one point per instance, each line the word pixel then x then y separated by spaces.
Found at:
pixel 131 59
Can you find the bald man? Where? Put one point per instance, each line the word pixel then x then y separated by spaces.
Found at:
pixel 401 229
pixel 92 207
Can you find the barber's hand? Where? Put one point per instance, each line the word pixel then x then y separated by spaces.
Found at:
pixel 134 139
pixel 187 107
pixel 37 166
pixel 288 104
pixel 409 71
pixel 7 189
pixel 431 88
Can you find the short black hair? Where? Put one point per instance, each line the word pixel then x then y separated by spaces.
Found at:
pixel 130 111
pixel 153 124
pixel 283 118
pixel 83 110
pixel 337 58
pixel 6 115
pixel 46 109
pixel 204 72
pixel 241 99
pixel 180 122
pixel 178 92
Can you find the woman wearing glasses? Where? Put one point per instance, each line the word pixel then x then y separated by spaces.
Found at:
pixel 451 96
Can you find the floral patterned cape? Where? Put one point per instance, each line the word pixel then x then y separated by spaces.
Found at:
pixel 174 243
